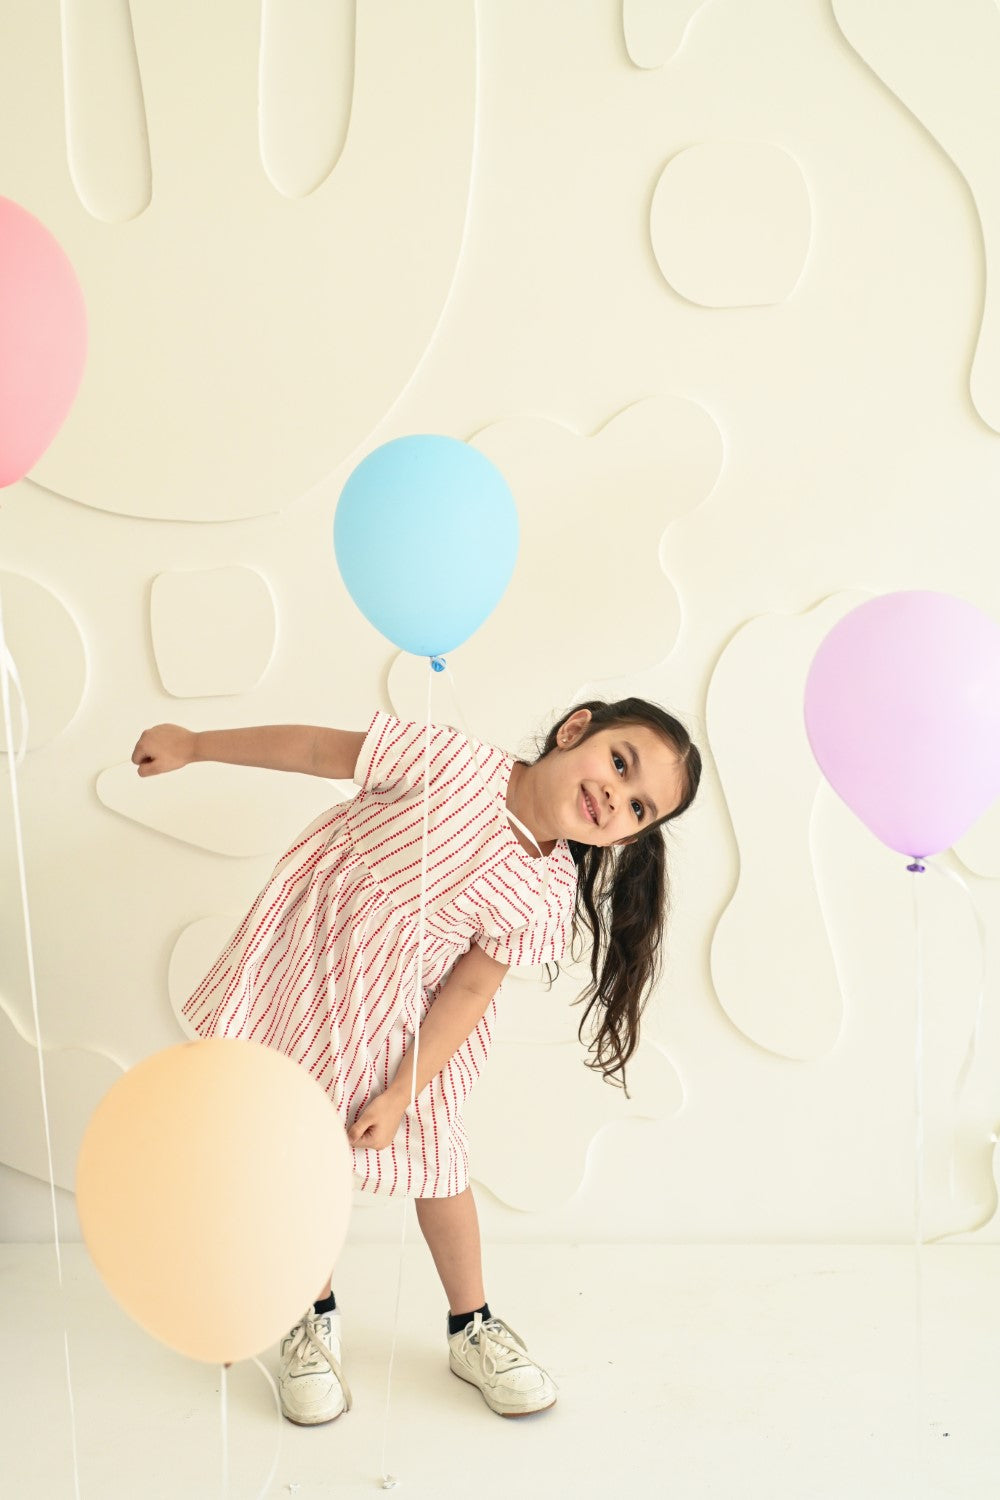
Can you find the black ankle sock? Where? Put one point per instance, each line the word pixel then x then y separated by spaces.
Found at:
pixel 457 1321
pixel 326 1304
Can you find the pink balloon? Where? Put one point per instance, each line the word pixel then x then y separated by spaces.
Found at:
pixel 902 710
pixel 43 339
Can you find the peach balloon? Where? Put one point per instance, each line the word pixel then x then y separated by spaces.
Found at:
pixel 44 342
pixel 214 1191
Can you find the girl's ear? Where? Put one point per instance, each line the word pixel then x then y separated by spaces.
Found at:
pixel 572 728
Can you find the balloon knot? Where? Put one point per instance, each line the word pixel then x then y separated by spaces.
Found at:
pixel 438 663
pixel 917 867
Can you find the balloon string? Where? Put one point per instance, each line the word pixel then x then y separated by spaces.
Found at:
pixel 542 894
pixel 225 1432
pixel 436 665
pixel 225 1440
pixel 11 667
pixel 971 1050
pixel 7 672
pixel 388 1480
pixel 918 1157
pixel 278 1417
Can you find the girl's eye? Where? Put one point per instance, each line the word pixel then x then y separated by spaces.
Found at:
pixel 619 765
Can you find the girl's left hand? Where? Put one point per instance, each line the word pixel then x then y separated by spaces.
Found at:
pixel 377 1123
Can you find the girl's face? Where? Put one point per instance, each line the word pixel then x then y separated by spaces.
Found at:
pixel 609 787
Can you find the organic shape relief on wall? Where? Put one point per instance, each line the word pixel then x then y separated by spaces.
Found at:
pixel 593 512
pixel 306 87
pixel 539 1055
pixel 213 630
pixel 231 329
pixel 306 83
pixel 76 1079
pixel 988 1230
pixel 942 62
pixel 48 651
pixel 107 144
pixel 655 29
pixel 731 224
pixel 772 965
pixel 538 1159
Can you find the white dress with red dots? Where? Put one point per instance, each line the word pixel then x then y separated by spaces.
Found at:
pixel 324 965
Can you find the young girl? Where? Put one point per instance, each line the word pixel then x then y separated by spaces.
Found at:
pixel 324 966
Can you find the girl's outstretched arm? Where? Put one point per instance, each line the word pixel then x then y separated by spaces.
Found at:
pixel 278 747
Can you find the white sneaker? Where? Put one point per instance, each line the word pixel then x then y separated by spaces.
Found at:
pixel 493 1357
pixel 311 1382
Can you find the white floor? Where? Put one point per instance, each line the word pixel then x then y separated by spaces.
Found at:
pixel 716 1372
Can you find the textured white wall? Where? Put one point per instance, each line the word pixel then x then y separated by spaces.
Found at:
pixel 710 283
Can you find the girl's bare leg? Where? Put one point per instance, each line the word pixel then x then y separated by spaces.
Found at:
pixel 451 1228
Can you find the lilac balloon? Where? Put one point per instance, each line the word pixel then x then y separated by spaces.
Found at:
pixel 902 710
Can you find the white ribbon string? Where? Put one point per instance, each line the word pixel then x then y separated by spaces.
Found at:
pixel 225 1439
pixel 225 1433
pixel 388 1480
pixel 541 896
pixel 971 1050
pixel 10 667
pixel 8 672
pixel 266 1487
pixel 918 1197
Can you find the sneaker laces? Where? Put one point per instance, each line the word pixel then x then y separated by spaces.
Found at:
pixel 312 1354
pixel 497 1353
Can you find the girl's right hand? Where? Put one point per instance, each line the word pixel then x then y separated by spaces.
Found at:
pixel 165 747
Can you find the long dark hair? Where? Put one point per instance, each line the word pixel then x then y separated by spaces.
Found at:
pixel 622 896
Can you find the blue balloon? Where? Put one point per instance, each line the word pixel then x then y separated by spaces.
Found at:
pixel 426 537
